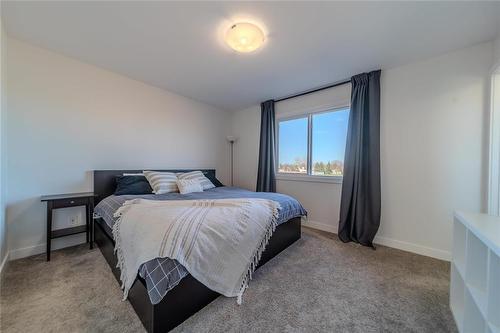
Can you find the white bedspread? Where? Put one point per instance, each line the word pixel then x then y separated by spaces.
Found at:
pixel 218 241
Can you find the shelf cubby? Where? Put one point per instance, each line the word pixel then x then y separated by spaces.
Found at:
pixel 476 262
pixel 475 273
pixel 473 318
pixel 459 243
pixel 457 295
pixel 476 269
pixel 494 292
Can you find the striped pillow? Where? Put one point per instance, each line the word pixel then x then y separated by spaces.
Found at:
pixel 199 176
pixel 162 182
pixel 188 186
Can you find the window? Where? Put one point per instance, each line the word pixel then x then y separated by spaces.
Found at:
pixel 313 144
pixel 293 145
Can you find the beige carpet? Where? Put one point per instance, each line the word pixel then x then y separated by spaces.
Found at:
pixel 317 285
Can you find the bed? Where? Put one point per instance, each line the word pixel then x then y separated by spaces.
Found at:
pixel 164 293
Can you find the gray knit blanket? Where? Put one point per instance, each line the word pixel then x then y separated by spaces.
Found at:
pixel 219 242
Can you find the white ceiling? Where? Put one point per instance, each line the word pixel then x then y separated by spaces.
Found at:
pixel 178 46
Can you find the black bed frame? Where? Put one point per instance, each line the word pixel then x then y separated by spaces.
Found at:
pixel 189 296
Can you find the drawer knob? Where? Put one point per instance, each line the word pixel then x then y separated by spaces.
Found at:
pixel 71 202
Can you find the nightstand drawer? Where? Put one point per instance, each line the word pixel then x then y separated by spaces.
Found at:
pixel 69 202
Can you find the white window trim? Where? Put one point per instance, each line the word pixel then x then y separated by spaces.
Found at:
pixel 494 146
pixel 294 177
pixel 282 176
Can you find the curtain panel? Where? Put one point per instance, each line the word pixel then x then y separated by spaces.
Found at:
pixel 266 174
pixel 360 200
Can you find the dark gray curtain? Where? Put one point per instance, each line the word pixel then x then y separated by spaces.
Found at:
pixel 266 177
pixel 360 203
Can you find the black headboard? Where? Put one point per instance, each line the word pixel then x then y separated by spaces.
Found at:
pixel 104 180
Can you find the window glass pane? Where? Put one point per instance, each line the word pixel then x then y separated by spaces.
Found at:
pixel 293 146
pixel 329 133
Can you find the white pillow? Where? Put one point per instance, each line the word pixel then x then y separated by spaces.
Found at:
pixel 189 185
pixel 162 182
pixel 199 176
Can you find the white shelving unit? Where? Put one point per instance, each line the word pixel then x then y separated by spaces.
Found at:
pixel 475 273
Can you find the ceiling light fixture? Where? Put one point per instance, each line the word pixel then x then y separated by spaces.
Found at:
pixel 244 37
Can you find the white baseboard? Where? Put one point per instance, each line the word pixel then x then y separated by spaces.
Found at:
pixel 27 251
pixel 40 248
pixel 396 244
pixel 3 265
pixel 320 226
pixel 414 248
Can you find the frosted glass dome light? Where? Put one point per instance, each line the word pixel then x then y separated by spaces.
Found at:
pixel 244 37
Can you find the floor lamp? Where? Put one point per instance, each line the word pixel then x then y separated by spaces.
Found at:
pixel 232 140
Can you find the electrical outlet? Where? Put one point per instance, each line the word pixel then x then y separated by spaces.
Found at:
pixel 74 220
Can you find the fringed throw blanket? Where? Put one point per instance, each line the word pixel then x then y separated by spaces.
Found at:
pixel 218 241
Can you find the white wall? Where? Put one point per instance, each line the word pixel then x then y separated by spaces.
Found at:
pixel 497 51
pixel 434 147
pixel 496 44
pixel 433 152
pixel 3 237
pixel 66 118
pixel 246 127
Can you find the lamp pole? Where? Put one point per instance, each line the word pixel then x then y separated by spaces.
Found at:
pixel 232 170
pixel 232 140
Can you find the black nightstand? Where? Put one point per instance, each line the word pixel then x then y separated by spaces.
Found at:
pixel 70 200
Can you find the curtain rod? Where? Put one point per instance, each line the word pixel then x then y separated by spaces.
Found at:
pixel 314 90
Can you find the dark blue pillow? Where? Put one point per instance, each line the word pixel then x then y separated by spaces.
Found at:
pixel 132 185
pixel 214 180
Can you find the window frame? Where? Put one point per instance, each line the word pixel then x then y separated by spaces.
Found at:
pixel 308 177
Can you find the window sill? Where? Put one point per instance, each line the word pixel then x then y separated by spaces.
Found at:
pixel 309 178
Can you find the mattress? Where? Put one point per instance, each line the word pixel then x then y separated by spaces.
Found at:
pixel 163 274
